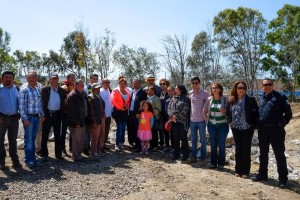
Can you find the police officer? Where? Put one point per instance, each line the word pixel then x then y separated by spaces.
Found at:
pixel 274 113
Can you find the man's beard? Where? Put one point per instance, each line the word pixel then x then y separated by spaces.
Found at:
pixel 7 83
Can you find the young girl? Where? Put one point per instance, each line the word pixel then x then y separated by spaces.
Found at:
pixel 146 121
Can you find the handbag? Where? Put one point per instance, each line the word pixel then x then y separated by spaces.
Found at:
pixel 113 112
pixel 168 126
pixel 118 114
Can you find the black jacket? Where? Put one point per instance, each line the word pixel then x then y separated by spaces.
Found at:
pixel 45 93
pixel 141 95
pixel 251 111
pixel 274 109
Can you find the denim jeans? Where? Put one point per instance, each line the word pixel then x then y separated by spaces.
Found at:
pixel 30 133
pixel 195 126
pixel 120 135
pixel 217 136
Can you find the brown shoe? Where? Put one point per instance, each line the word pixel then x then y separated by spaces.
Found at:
pixel 39 153
pixel 202 162
pixel 192 160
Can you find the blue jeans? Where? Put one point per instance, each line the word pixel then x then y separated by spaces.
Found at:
pixel 217 136
pixel 195 126
pixel 30 133
pixel 120 135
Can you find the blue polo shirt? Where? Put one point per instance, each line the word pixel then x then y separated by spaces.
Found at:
pixel 8 100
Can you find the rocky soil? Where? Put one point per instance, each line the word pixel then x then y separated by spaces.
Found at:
pixel 128 175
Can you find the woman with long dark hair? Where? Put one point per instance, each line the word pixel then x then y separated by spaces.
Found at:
pixel 178 111
pixel 214 113
pixel 242 115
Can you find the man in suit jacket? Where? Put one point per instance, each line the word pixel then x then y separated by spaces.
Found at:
pixel 53 97
pixel 137 95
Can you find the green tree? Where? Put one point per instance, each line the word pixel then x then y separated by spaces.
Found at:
pixel 283 48
pixel 54 62
pixel 239 34
pixel 6 60
pixel 75 50
pixel 30 60
pixel 204 60
pixel 135 63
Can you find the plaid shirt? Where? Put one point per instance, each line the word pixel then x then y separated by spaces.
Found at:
pixel 30 102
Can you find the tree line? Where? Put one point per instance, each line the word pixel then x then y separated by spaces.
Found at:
pixel 239 44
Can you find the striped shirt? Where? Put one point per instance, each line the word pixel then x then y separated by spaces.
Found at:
pixel 216 117
pixel 30 102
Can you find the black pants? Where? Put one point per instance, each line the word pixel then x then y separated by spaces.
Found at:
pixel 132 127
pixel 51 120
pixel 180 135
pixel 11 125
pixel 107 127
pixel 154 140
pixel 276 137
pixel 161 137
pixel 242 140
pixel 64 127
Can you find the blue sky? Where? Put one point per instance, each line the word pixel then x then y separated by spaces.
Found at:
pixel 42 25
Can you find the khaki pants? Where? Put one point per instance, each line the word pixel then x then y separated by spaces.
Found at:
pixel 97 137
pixel 78 135
pixel 38 139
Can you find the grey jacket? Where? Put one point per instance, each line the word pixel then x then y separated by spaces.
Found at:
pixel 180 107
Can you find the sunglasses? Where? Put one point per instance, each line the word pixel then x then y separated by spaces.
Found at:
pixel 241 88
pixel 195 83
pixel 162 84
pixel 267 84
pixel 107 82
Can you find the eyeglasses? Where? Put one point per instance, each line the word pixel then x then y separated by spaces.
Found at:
pixel 195 83
pixel 267 84
pixel 214 88
pixel 162 84
pixel 241 88
pixel 107 82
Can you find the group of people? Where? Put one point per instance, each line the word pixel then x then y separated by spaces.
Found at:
pixel 146 112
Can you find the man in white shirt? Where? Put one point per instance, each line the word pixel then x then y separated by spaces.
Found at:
pixel 105 95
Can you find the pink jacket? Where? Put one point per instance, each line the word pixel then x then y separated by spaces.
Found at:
pixel 117 99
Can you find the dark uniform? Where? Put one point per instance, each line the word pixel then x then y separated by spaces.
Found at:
pixel 274 113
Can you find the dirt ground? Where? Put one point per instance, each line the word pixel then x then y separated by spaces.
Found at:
pixel 195 182
pixel 128 175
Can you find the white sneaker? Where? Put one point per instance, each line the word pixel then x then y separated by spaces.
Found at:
pixel 117 148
